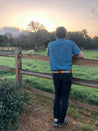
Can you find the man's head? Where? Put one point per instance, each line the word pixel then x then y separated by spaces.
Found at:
pixel 61 32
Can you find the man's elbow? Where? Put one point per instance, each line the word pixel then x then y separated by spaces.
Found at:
pixel 81 55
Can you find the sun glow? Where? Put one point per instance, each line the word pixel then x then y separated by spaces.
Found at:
pixel 45 21
pixel 49 21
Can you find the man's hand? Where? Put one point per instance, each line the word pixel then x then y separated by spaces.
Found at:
pixel 80 55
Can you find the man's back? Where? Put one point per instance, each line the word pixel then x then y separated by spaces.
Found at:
pixel 60 54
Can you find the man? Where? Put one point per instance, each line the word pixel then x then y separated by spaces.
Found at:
pixel 60 54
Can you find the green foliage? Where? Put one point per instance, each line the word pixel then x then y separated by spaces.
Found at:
pixel 84 94
pixel 87 127
pixel 40 37
pixel 82 39
pixel 73 112
pixel 12 104
pixel 3 38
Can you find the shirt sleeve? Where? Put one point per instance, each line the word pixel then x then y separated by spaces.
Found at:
pixel 75 49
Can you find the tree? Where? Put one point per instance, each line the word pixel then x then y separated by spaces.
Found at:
pixel 10 37
pixel 95 41
pixel 36 26
pixel 81 39
pixel 3 40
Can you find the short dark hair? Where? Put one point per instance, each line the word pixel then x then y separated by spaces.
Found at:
pixel 61 32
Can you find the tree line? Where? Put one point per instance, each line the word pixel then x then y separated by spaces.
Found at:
pixel 37 38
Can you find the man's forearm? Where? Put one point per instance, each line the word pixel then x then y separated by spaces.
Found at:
pixel 80 55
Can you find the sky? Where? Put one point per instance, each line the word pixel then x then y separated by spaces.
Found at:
pixel 74 15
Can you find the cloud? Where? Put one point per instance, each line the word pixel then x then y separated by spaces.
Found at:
pixel 94 12
pixel 15 32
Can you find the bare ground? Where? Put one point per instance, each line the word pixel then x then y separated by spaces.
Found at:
pixel 39 117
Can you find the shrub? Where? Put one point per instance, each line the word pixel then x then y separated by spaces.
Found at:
pixel 12 99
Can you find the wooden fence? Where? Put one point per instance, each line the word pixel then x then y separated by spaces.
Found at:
pixel 19 72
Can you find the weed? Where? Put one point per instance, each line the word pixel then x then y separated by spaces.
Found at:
pixel 73 112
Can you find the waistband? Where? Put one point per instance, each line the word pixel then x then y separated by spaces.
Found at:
pixel 62 71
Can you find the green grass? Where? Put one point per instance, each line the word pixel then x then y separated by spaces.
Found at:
pixel 79 93
pixel 87 127
pixel 91 54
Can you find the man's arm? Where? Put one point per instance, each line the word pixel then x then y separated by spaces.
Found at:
pixel 80 55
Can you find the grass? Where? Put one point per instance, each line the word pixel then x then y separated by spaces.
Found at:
pixel 79 93
pixel 87 127
pixel 74 113
pixel 72 110
pixel 91 54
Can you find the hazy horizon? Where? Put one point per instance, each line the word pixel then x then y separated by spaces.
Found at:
pixel 75 15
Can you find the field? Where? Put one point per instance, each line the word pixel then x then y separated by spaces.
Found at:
pixel 79 93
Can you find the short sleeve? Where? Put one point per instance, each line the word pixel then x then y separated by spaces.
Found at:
pixel 75 49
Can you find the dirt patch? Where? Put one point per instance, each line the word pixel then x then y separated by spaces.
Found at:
pixel 39 117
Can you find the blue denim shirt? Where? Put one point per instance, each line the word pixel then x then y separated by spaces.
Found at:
pixel 60 54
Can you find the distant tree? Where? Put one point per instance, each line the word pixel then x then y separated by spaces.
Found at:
pixel 77 38
pixel 23 41
pixel 83 33
pixel 81 39
pixel 52 36
pixel 10 37
pixel 35 26
pixel 40 39
pixel 3 40
pixel 95 42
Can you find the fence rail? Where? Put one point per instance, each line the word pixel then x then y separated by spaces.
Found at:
pixel 19 72
pixel 81 62
pixel 88 83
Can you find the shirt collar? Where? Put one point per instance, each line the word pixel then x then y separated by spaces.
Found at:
pixel 60 38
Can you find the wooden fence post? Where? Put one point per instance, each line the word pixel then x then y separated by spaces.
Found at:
pixel 18 59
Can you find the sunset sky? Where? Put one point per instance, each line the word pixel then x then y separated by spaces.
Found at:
pixel 74 15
